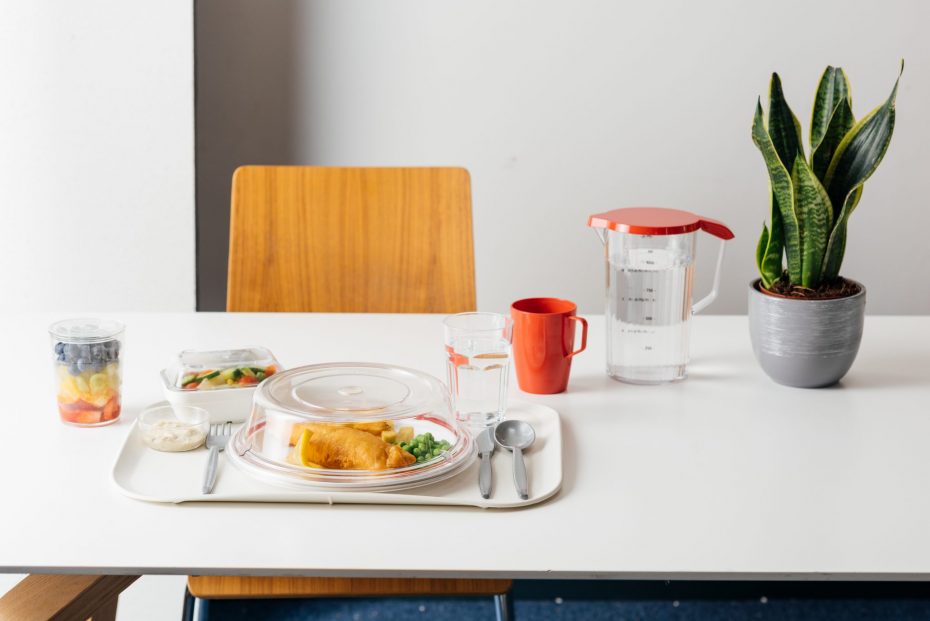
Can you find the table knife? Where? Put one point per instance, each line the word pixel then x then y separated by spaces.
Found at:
pixel 485 442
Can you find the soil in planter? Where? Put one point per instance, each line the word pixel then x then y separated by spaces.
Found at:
pixel 839 288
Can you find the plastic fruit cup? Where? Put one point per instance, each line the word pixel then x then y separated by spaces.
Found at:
pixel 86 354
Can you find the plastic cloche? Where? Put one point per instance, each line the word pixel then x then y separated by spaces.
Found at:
pixel 358 426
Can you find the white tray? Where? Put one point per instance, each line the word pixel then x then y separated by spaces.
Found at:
pixel 154 476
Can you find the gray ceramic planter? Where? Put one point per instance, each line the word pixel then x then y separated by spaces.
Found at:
pixel 805 343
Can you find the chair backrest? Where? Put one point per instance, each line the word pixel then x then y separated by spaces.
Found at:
pixel 376 240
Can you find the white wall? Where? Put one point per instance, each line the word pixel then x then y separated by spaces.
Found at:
pixel 96 155
pixel 562 108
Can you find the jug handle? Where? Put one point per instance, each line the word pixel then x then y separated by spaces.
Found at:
pixel 710 297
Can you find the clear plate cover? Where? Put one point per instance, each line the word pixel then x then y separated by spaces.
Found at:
pixel 351 426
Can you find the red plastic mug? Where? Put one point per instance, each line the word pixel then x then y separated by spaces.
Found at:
pixel 543 340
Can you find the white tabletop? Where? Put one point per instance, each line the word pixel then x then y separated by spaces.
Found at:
pixel 723 475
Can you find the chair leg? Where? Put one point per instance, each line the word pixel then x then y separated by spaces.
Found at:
pixel 188 613
pixel 503 607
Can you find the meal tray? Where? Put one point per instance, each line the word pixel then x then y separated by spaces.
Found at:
pixel 145 474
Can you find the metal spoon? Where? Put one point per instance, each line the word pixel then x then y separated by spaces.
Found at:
pixel 516 436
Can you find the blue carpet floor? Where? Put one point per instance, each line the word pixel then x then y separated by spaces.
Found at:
pixel 562 601
pixel 590 610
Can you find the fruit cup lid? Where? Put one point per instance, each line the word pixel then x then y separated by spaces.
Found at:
pixel 85 330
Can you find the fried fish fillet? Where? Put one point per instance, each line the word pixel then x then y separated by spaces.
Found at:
pixel 374 427
pixel 346 448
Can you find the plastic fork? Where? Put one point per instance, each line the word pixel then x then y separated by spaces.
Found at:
pixel 216 442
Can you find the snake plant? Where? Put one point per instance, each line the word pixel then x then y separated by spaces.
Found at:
pixel 813 197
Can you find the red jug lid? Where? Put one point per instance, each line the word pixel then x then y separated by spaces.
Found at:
pixel 657 221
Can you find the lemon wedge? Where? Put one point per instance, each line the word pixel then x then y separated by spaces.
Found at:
pixel 303 448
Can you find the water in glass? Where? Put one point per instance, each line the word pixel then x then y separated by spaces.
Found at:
pixel 478 366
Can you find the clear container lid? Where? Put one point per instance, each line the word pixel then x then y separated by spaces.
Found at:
pixel 220 369
pixel 353 426
pixel 86 330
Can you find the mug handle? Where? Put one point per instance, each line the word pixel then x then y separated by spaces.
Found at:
pixel 584 334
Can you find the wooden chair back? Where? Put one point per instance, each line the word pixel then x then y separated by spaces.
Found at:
pixel 357 240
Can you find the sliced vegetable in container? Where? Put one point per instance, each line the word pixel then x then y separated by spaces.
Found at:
pixel 209 370
pixel 235 376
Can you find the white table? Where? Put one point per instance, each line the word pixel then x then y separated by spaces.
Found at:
pixel 724 475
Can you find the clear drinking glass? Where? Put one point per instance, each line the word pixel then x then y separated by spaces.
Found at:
pixel 478 366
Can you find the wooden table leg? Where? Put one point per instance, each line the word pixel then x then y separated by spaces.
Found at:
pixel 48 597
pixel 107 612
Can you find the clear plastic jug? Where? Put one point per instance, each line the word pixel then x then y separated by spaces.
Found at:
pixel 650 269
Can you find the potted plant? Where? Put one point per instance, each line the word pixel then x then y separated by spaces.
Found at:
pixel 805 319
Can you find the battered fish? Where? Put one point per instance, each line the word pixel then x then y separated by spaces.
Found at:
pixel 346 448
pixel 374 427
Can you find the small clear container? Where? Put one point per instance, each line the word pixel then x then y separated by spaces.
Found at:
pixel 172 428
pixel 354 426
pixel 220 381
pixel 87 356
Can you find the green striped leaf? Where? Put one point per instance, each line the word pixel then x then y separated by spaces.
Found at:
pixel 836 250
pixel 861 150
pixel 856 158
pixel 761 247
pixel 771 260
pixel 836 246
pixel 815 219
pixel 782 194
pixel 841 121
pixel 783 127
pixel 832 89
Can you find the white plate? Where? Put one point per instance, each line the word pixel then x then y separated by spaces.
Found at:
pixel 146 474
